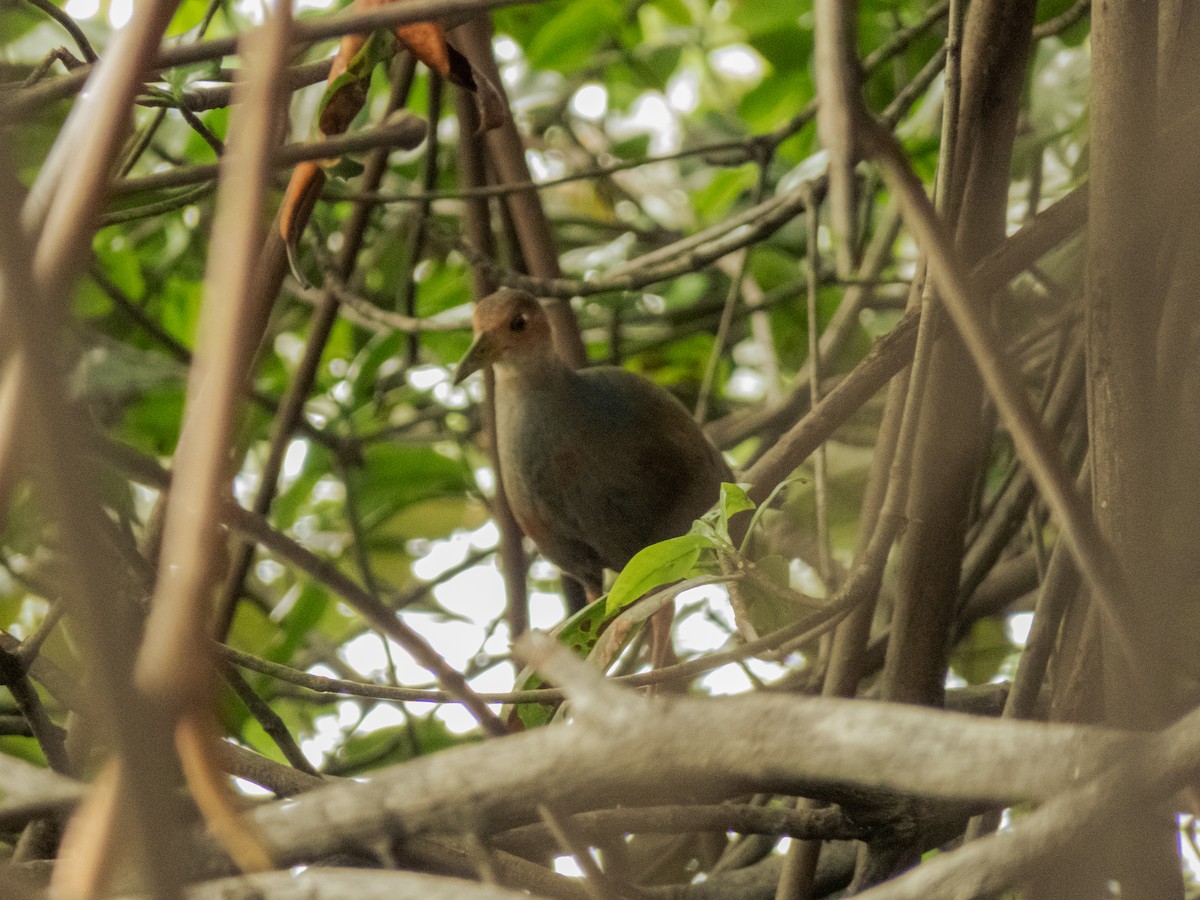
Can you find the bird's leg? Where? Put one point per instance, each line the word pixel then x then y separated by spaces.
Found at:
pixel 662 648
pixel 576 594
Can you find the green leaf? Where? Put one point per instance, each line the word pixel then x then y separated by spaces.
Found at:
pixel 759 16
pixel 397 476
pixel 775 568
pixel 658 564
pixel 734 500
pixel 635 147
pixel 569 40
pixel 16 19
pixel 715 199
pixel 764 605
pixel 188 15
pixel 979 658
pixel 674 11
pixel 378 48
pixel 304 615
pixel 345 168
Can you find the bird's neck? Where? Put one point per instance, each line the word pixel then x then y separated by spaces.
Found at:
pixel 533 372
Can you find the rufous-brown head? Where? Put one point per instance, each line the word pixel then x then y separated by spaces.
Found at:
pixel 510 325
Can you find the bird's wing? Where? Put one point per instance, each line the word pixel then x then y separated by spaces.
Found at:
pixel 641 473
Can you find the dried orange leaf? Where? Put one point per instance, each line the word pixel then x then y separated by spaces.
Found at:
pixel 427 41
pixel 298 200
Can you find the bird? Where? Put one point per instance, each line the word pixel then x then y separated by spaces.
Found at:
pixel 597 463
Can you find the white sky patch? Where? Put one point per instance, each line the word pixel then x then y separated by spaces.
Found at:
pixel 440 557
pixel 697 632
pixel 250 789
pixel 450 396
pixel 478 593
pixel 566 865
pixel 486 479
pixel 283 607
pixel 485 536
pixel 545 610
pixel 120 12
pixel 423 271
pixel 366 655
pixel 746 384
pixel 290 347
pixel 267 570
pixel 683 91
pixel 766 670
pixel 456 642
pixel 1018 628
pixel 252 9
pixel 539 167
pixel 326 737
pixel 737 62
pixel 590 102
pixel 1190 859
pixel 650 114
pixel 457 720
pixel 382 715
pixel 82 9
pixel 506 49
pixel 728 679
pixel 329 489
pixel 423 378
pixel 301 5
pixel 497 645
pixel 498 678
pixel 293 459
pixel 245 485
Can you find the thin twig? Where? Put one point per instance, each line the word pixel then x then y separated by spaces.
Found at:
pixel 401 130
pixel 70 25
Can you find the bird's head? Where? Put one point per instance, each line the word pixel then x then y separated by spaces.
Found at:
pixel 510 326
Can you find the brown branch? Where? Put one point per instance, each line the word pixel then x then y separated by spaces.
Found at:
pixel 315 883
pixel 69 25
pixel 838 94
pixel 33 302
pixel 623 749
pixel 1095 558
pixel 307 32
pixel 401 130
pixel 506 152
pixel 270 721
pixel 323 685
pixel 828 823
pixel 472 172
pixel 291 408
pixel 1075 818
pixel 48 735
pixel 1045 231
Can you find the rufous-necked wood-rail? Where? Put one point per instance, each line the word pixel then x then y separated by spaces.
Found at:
pixel 597 463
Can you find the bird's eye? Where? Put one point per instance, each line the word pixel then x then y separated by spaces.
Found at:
pixel 518 323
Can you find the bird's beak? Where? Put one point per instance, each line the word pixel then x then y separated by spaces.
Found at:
pixel 482 352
